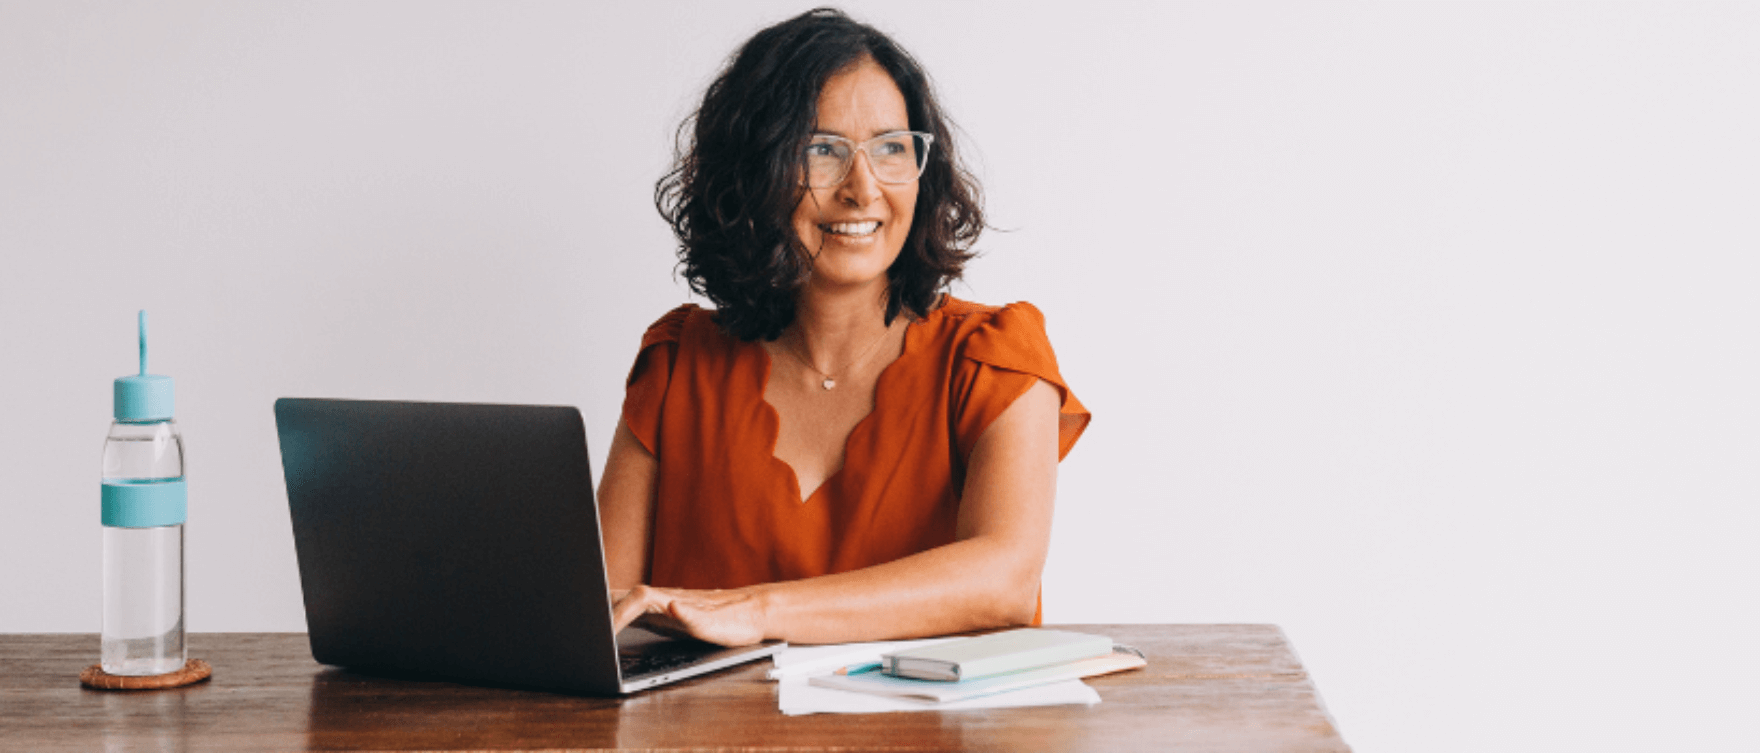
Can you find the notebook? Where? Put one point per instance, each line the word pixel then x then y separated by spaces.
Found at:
pixel 1008 651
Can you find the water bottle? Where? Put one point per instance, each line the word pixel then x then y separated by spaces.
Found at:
pixel 143 510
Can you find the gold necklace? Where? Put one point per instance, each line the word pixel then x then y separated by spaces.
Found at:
pixel 831 381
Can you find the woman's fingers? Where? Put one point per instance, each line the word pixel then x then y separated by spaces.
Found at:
pixel 636 602
pixel 724 617
pixel 663 625
pixel 727 620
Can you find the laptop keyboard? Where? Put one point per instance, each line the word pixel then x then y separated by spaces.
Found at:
pixel 662 658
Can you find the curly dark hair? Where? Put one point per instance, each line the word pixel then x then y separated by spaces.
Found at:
pixel 736 181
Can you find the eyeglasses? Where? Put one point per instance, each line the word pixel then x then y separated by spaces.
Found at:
pixel 896 157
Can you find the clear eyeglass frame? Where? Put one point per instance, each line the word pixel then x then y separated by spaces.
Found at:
pixel 886 167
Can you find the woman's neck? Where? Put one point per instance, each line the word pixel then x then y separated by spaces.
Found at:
pixel 835 328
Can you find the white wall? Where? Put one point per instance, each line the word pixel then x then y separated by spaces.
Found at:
pixel 1426 331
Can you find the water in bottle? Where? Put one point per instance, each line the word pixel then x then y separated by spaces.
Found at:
pixel 143 511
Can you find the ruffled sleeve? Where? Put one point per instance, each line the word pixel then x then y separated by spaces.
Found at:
pixel 645 392
pixel 1001 359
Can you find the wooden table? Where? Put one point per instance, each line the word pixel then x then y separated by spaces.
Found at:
pixel 1207 687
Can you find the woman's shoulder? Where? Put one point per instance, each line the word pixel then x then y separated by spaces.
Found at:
pixel 673 325
pixel 962 320
pixel 998 353
pixel 1012 336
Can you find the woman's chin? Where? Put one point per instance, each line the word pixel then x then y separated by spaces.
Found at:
pixel 842 263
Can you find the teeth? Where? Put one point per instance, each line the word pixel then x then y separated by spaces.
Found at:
pixel 852 228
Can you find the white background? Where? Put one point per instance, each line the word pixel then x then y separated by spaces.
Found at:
pixel 1425 331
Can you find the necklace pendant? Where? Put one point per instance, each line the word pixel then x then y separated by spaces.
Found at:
pixel 828 383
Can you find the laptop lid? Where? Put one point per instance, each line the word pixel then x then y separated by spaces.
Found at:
pixel 457 540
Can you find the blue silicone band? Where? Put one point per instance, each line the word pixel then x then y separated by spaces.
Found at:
pixel 145 504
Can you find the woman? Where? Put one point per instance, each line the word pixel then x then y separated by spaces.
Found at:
pixel 839 451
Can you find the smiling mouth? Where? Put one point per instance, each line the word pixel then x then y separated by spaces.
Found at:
pixel 851 229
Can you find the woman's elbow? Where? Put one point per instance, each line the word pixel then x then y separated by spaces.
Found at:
pixel 1008 606
pixel 1023 608
pixel 1010 597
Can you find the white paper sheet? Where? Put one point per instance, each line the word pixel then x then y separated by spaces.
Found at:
pixel 795 697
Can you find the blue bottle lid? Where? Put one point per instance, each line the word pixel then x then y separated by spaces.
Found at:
pixel 143 396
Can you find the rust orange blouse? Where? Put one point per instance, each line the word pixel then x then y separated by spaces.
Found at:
pixel 729 514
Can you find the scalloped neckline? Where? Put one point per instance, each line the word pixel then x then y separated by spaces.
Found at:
pixel 880 384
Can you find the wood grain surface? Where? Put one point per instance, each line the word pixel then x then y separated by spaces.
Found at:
pixel 1207 688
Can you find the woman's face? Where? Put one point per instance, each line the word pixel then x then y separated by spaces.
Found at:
pixel 856 228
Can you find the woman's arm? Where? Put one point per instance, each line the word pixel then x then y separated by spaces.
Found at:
pixel 988 577
pixel 626 509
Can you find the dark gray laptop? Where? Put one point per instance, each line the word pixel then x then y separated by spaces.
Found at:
pixel 462 541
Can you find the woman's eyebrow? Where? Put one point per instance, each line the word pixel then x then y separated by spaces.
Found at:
pixel 828 132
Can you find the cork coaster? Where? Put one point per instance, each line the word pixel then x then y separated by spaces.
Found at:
pixel 194 671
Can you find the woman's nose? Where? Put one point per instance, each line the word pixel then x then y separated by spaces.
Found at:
pixel 860 186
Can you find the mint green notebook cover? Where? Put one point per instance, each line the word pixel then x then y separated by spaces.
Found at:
pixel 1008 651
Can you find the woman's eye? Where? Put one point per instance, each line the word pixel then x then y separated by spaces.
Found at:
pixel 822 150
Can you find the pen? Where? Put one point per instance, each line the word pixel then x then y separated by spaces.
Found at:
pixel 856 669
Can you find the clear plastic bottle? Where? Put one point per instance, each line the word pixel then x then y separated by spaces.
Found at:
pixel 143 512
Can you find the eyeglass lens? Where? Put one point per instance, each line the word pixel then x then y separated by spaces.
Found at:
pixel 896 158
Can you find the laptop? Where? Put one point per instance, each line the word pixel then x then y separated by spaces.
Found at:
pixel 461 541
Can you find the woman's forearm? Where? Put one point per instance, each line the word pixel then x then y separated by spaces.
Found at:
pixel 967 585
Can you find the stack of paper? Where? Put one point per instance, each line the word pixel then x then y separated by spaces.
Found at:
pixel 798 667
pixel 933 691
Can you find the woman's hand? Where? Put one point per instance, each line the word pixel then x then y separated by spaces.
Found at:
pixel 729 618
